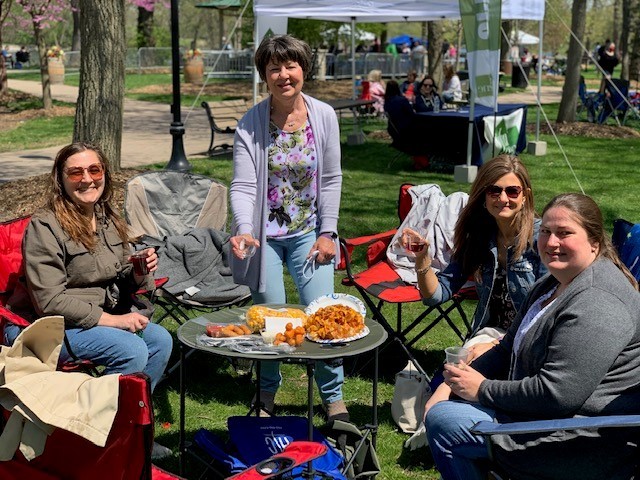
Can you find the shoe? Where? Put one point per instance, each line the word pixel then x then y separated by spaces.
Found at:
pixel 160 451
pixel 336 411
pixel 267 401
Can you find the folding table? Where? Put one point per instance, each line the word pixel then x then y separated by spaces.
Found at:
pixel 307 353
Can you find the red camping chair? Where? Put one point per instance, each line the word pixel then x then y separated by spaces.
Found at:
pixel 126 455
pixel 380 284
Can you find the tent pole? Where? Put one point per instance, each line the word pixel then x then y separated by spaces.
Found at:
pixel 254 76
pixel 353 56
pixel 539 74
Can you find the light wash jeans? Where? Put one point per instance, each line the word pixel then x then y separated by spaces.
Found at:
pixel 120 351
pixel 458 454
pixel 329 376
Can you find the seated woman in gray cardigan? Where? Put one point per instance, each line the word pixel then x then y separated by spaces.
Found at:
pixel 574 350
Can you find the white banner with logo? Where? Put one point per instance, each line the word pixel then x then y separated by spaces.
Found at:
pixel 481 24
pixel 501 134
pixel 267 25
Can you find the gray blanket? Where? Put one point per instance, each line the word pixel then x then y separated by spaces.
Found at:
pixel 198 258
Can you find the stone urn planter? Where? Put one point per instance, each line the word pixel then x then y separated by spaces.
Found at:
pixel 194 70
pixel 55 67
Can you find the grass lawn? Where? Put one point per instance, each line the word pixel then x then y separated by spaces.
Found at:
pixel 372 172
pixel 604 167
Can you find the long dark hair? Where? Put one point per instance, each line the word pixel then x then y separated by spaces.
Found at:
pixel 67 212
pixel 476 228
pixel 587 213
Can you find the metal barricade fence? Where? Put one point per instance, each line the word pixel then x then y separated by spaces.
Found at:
pixel 239 64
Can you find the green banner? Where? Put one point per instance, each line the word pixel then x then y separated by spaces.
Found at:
pixel 481 25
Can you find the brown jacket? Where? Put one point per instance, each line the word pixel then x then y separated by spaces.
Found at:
pixel 64 278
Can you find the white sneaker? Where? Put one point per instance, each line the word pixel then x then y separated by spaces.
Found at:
pixel 160 451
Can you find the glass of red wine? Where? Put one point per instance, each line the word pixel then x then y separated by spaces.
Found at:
pixel 415 239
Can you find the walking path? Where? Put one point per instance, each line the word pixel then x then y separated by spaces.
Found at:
pixel 146 138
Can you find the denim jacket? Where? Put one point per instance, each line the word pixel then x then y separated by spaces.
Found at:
pixel 521 274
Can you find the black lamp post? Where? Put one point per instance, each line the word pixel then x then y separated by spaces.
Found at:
pixel 178 160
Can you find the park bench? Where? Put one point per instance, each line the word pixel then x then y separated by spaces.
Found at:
pixel 223 119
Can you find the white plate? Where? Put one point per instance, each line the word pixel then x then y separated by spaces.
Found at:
pixel 363 333
pixel 336 299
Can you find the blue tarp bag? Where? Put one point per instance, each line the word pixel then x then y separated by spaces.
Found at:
pixel 254 439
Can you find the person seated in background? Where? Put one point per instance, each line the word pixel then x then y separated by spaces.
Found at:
pixel 451 87
pixel 573 350
pixel 399 112
pixel 376 90
pixel 427 96
pixel 8 58
pixel 401 124
pixel 408 88
pixel 22 57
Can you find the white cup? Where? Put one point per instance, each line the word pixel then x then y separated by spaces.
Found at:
pixel 455 355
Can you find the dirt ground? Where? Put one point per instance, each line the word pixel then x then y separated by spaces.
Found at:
pixel 22 197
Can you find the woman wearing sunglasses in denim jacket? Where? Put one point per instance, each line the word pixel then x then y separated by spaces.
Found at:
pixel 495 246
pixel 77 264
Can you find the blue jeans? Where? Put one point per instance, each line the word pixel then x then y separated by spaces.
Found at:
pixel 120 351
pixel 293 252
pixel 457 452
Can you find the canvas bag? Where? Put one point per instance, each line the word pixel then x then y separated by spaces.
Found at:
pixel 410 395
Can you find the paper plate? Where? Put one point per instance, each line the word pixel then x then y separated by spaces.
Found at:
pixel 336 299
pixel 363 333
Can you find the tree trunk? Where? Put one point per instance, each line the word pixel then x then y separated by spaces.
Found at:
pixel 617 20
pixel 47 101
pixel 102 61
pixel 5 6
pixel 624 39
pixel 506 27
pixel 145 28
pixel 567 111
pixel 434 51
pixel 75 39
pixel 634 54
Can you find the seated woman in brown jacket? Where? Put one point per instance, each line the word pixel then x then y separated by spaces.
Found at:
pixel 77 264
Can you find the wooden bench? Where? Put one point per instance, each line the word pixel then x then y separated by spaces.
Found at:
pixel 223 119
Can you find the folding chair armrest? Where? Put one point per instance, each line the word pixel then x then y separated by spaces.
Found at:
pixel 542 426
pixel 159 282
pixel 369 239
pixel 11 317
pixel 347 246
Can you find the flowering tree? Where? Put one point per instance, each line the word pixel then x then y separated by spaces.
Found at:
pixel 41 14
pixel 5 6
pixel 145 21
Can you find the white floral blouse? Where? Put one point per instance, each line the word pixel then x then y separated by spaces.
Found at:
pixel 292 190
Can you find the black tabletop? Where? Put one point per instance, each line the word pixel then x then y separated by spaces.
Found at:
pixel 309 350
pixel 342 103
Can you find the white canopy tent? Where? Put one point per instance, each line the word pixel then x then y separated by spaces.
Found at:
pixel 384 11
pixel 524 38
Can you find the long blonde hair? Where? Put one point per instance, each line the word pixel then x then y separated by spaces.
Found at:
pixel 476 228
pixel 68 213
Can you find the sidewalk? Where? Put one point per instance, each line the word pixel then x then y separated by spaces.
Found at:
pixel 145 137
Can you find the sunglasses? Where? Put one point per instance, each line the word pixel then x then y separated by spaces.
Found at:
pixel 427 84
pixel 76 174
pixel 512 192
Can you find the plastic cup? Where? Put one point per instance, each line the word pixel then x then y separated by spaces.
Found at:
pixel 455 355
pixel 247 250
pixel 139 260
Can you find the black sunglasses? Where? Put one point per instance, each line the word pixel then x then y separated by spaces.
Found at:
pixel 512 191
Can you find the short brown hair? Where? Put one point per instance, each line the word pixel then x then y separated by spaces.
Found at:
pixel 280 49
